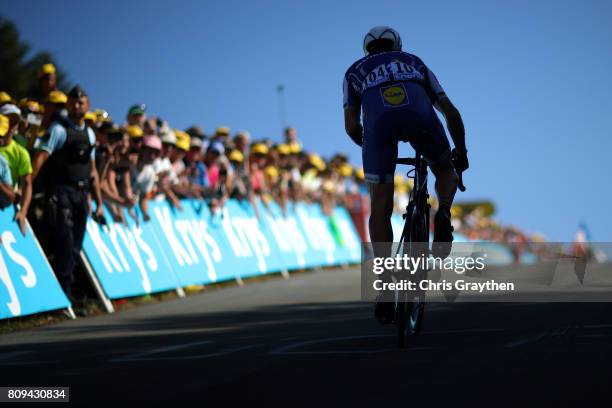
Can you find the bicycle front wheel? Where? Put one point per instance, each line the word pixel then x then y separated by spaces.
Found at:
pixel 411 304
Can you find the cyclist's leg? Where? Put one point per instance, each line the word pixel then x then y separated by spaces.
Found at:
pixel 437 151
pixel 379 160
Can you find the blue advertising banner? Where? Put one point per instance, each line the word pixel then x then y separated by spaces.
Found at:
pixel 348 243
pixel 288 234
pixel 188 239
pixel 27 283
pixel 192 245
pixel 127 259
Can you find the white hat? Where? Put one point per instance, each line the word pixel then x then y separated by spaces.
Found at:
pixel 9 109
pixel 168 136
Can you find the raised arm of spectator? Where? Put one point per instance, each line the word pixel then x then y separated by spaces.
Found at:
pixel 7 190
pixel 129 199
pixel 109 189
pixel 24 204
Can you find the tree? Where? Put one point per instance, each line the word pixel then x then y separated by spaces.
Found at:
pixel 17 71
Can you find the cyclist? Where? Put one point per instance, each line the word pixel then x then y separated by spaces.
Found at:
pixel 397 93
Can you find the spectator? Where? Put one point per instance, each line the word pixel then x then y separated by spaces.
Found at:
pixel 47 80
pixel 291 136
pixel 242 141
pixel 144 175
pixel 221 135
pixel 102 116
pixel 68 146
pixel 196 132
pixel 196 172
pixel 163 164
pixel 5 98
pixel 91 119
pixel 257 163
pixel 113 165
pixel 219 174
pixel 29 126
pixel 241 184
pixel 136 115
pixel 7 195
pixel 54 108
pixel 18 160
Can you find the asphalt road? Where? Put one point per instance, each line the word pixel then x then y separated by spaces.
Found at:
pixel 310 341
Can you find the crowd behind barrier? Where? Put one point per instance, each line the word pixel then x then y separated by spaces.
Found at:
pixel 143 168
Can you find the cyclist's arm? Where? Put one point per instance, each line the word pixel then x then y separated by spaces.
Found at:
pixel 352 123
pixel 453 121
pixel 352 111
pixel 440 100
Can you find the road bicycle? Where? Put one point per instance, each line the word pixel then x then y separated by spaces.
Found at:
pixel 414 242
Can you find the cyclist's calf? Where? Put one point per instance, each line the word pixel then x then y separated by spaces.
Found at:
pixel 381 198
pixel 446 181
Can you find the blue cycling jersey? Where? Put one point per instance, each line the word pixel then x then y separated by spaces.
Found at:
pixel 396 92
pixel 373 71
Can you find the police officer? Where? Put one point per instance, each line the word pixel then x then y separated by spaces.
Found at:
pixel 67 153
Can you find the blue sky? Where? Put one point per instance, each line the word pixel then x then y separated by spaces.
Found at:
pixel 531 78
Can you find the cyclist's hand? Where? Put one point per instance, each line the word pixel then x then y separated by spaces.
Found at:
pixel 460 160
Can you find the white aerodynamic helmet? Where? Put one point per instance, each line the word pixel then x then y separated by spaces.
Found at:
pixel 382 33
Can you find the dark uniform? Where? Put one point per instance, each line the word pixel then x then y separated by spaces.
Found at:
pixel 68 176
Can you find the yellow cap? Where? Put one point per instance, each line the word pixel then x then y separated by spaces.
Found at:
pixel 4 125
pixel 283 149
pixel 360 174
pixel 102 116
pixel 345 170
pixel 91 116
pixel 29 104
pixel 236 155
pixel 259 148
pixel 183 140
pixel 316 161
pixel 57 97
pixel 5 98
pixel 134 131
pixel 46 70
pixel 398 179
pixel 271 172
pixel 294 148
pixel 222 130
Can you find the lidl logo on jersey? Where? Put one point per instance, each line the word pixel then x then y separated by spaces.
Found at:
pixel 394 95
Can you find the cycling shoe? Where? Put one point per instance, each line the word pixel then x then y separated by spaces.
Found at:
pixel 443 233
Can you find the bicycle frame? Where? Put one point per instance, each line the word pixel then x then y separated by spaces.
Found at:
pixel 409 308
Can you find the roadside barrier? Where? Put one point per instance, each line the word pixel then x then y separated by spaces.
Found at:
pixel 27 283
pixel 175 249
pixel 193 246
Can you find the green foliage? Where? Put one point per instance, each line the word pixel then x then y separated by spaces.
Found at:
pixel 17 69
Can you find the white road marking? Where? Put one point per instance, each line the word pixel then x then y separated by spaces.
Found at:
pixel 192 357
pixel 138 356
pixel 290 348
pixel 595 335
pixel 527 340
pixel 458 331
pixel 12 354
pixel 597 326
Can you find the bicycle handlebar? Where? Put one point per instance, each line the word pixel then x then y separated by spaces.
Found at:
pixel 411 161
